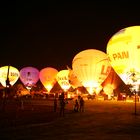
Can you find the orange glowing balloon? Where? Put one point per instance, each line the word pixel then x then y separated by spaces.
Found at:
pixel 47 77
pixel 73 80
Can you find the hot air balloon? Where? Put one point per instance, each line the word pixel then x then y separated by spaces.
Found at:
pixel 111 83
pixel 63 79
pixel 73 80
pixel 9 72
pixel 91 67
pixel 29 76
pixel 123 50
pixel 48 77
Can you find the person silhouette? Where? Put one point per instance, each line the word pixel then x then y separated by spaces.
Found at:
pixel 82 102
pixel 62 107
pixel 76 106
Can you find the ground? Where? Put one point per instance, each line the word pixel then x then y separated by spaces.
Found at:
pixel 101 120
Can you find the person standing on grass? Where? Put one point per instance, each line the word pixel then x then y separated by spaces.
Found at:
pixel 76 106
pixel 62 104
pixel 62 107
pixel 82 104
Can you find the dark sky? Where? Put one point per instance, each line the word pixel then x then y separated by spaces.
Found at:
pixel 52 33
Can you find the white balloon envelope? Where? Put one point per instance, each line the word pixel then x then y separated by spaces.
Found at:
pixel 29 76
pixel 47 77
pixel 13 75
pixel 91 67
pixel 123 50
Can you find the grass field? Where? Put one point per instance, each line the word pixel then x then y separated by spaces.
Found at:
pixel 101 120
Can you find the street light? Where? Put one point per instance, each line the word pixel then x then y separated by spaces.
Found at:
pixel 133 79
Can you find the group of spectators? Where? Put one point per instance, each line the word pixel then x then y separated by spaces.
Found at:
pixel 78 105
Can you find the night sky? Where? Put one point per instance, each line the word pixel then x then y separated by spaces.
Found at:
pixel 52 33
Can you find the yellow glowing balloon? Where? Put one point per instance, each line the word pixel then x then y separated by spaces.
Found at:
pixel 13 75
pixel 48 77
pixel 123 50
pixel 63 79
pixel 91 67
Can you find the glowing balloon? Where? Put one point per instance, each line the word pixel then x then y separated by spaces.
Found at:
pixel 48 77
pixel 73 80
pixel 29 76
pixel 112 79
pixel 91 68
pixel 123 50
pixel 63 79
pixel 13 75
pixel 108 89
